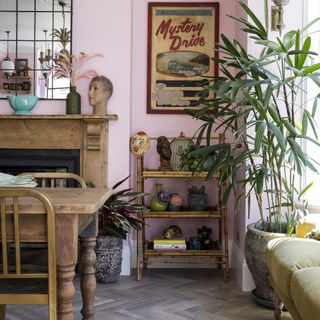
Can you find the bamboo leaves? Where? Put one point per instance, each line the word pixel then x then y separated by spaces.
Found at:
pixel 257 100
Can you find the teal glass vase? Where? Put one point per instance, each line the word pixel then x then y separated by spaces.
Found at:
pixel 73 101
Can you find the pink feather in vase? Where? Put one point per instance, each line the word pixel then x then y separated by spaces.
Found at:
pixel 71 67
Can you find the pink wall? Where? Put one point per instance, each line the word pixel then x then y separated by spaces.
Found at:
pixel 154 124
pixel 118 30
pixel 157 124
pixel 101 26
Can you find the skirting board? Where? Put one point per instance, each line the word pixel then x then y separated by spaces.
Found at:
pixel 240 269
pixel 126 258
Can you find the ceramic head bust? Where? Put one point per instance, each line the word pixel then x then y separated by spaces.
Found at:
pixel 139 143
pixel 100 91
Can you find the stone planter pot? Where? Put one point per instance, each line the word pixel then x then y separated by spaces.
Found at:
pixel 255 253
pixel 109 258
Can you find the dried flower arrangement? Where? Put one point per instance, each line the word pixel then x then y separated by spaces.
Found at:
pixel 71 67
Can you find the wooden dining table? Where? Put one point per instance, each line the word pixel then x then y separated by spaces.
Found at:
pixel 76 216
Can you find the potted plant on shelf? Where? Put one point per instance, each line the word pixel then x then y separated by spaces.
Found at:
pixel 258 100
pixel 117 217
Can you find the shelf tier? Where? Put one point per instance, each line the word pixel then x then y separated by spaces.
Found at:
pixel 14 91
pixel 183 253
pixel 182 214
pixel 175 174
pixel 14 78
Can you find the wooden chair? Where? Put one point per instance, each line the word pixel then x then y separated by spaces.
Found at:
pixel 56 179
pixel 21 284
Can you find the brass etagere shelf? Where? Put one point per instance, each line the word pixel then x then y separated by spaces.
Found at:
pixel 218 256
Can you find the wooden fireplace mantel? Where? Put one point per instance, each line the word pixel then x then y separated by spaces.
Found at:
pixel 87 133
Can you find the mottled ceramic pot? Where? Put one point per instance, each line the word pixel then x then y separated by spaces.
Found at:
pixel 109 258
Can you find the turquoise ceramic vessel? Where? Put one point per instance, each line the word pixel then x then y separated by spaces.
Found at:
pixel 22 104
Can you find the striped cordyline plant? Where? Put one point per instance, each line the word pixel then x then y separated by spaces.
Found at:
pixel 71 67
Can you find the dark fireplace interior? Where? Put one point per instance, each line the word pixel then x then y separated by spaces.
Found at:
pixel 15 161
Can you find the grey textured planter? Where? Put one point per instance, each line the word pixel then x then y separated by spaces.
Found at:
pixel 109 258
pixel 255 253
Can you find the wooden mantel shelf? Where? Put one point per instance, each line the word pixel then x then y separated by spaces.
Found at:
pixel 58 117
pixel 87 133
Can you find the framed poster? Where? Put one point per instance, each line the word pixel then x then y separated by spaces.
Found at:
pixel 181 40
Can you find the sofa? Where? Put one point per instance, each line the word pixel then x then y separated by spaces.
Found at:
pixel 294 267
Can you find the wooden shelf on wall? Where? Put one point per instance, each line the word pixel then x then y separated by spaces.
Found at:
pixel 14 91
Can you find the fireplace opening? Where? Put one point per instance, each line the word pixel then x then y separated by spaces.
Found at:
pixel 16 161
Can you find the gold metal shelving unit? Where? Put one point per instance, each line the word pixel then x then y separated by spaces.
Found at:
pixel 218 256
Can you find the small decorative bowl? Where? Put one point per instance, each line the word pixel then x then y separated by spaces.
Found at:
pixel 22 104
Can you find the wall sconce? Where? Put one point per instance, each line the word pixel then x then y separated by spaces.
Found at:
pixel 45 57
pixel 277 15
pixel 7 65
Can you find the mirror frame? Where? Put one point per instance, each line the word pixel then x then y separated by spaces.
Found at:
pixel 32 78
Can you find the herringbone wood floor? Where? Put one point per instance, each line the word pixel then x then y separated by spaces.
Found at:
pixel 172 294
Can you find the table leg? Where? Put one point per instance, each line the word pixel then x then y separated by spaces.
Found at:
pixel 65 275
pixel 87 276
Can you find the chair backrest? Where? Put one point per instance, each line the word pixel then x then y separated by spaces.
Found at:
pixel 56 179
pixel 12 270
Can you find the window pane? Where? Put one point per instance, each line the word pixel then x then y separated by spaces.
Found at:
pixel 8 5
pixel 27 5
pixel 26 25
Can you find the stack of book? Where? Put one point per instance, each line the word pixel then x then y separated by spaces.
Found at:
pixel 169 244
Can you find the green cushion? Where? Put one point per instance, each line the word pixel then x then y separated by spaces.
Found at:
pixel 285 256
pixel 305 292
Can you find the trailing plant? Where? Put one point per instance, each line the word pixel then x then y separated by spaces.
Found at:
pixel 258 99
pixel 118 216
pixel 193 163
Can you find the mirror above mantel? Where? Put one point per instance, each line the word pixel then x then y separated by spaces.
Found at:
pixel 32 33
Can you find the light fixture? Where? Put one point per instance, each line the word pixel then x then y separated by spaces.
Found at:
pixel 45 57
pixel 7 65
pixel 62 35
pixel 277 15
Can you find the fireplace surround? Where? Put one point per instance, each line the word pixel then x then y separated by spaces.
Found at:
pixel 47 139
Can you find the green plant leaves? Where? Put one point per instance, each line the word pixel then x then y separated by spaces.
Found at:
pixel 119 216
pixel 257 102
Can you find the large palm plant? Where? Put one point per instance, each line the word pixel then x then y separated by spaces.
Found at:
pixel 259 99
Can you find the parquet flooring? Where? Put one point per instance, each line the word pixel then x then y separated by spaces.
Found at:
pixel 171 294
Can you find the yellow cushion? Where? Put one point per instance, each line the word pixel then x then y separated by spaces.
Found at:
pixel 303 228
pixel 305 292
pixel 288 255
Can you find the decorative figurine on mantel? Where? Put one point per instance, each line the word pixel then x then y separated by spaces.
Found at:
pixel 139 143
pixel 100 91
pixel 164 150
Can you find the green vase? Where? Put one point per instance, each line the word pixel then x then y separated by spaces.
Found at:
pixel 160 200
pixel 73 101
